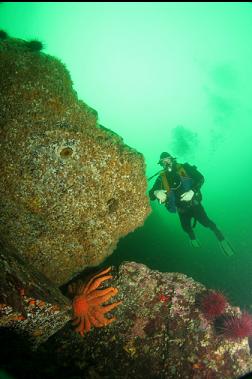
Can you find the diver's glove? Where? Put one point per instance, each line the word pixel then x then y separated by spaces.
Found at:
pixel 160 195
pixel 187 196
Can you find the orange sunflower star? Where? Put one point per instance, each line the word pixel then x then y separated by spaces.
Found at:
pixel 87 305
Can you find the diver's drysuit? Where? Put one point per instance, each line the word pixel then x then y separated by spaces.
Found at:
pixel 182 178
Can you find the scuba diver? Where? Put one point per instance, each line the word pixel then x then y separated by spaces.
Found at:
pixel 178 188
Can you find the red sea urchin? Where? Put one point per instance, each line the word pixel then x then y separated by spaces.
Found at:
pixel 213 305
pixel 236 328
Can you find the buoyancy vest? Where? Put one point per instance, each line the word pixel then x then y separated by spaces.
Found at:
pixel 186 183
pixel 180 170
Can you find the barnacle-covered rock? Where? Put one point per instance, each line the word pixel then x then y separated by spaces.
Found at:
pixel 69 187
pixel 160 332
pixel 31 306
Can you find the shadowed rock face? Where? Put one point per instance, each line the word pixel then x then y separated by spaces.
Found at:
pixel 31 306
pixel 69 188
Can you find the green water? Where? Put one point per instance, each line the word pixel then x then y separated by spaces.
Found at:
pixel 171 77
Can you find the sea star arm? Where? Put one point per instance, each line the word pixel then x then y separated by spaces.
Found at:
pixel 91 282
pixel 98 293
pixel 109 307
pixel 87 323
pixel 102 299
pixel 80 328
pixel 96 284
pixel 95 322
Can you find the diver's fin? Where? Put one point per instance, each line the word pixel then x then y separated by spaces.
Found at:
pixel 195 243
pixel 226 248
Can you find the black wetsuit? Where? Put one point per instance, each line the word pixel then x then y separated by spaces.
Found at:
pixel 187 210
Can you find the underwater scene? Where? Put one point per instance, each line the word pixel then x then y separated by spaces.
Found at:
pixel 125 190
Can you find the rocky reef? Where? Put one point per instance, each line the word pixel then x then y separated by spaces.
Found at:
pixel 31 306
pixel 69 190
pixel 160 332
pixel 69 187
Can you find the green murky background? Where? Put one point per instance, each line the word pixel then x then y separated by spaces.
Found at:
pixel 171 77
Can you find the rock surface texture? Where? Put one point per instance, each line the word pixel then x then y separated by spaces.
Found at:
pixel 31 306
pixel 160 332
pixel 69 187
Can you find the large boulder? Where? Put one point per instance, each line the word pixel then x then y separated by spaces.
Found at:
pixel 69 187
